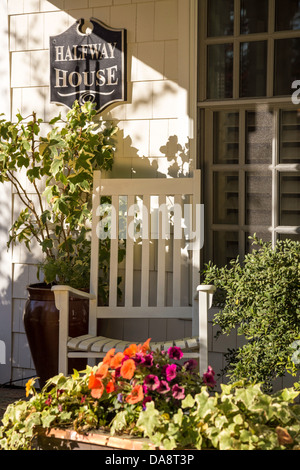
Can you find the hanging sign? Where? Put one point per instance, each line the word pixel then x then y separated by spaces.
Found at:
pixel 88 66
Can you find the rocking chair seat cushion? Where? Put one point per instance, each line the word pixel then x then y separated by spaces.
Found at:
pixel 101 344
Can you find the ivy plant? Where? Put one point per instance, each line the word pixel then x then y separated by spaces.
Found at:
pixel 239 417
pixel 260 299
pixel 55 196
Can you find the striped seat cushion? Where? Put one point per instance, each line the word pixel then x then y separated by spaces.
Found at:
pixel 101 344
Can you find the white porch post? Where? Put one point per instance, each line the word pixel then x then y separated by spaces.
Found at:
pixel 5 213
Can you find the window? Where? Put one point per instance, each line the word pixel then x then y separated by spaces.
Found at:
pixel 249 129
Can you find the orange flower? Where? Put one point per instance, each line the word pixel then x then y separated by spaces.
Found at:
pixel 145 347
pixel 127 369
pixel 92 380
pixel 102 371
pixel 136 395
pixel 109 356
pixel 131 350
pixel 110 387
pixel 96 386
pixel 116 361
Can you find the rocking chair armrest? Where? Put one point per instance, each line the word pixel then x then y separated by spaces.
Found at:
pixel 210 289
pixel 73 292
pixel 61 296
pixel 206 288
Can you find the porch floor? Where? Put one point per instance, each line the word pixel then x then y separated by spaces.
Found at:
pixel 9 395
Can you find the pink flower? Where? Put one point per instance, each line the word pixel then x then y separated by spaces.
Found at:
pixel 208 377
pixel 148 360
pixel 145 401
pixel 175 353
pixel 49 400
pixel 170 372
pixel 178 392
pixel 151 382
pixel 138 359
pixel 190 364
pixel 163 387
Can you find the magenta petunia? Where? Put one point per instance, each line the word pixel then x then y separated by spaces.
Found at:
pixel 148 360
pixel 170 372
pixel 151 382
pixel 191 364
pixel 178 392
pixel 163 387
pixel 49 400
pixel 175 352
pixel 208 377
pixel 145 401
pixel 139 359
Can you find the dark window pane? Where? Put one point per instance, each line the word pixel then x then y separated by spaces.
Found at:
pixel 254 16
pixel 259 136
pixel 287 65
pixel 287 15
pixel 258 199
pixel 219 71
pixel 289 236
pixel 226 198
pixel 253 69
pixel 264 236
pixel 289 150
pixel 220 17
pixel 226 137
pixel 226 247
pixel 289 199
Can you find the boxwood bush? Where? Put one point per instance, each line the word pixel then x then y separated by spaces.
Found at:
pixel 260 298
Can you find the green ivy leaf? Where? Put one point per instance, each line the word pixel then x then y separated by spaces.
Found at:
pixel 149 419
pixel 188 402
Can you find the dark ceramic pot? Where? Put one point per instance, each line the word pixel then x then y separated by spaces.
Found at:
pixel 41 327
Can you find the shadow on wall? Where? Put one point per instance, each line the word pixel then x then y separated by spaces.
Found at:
pixel 174 161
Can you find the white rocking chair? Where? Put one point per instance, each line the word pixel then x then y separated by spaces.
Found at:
pixel 159 213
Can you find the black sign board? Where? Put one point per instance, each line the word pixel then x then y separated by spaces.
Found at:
pixel 88 66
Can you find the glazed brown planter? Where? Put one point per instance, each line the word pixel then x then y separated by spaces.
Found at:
pixel 41 327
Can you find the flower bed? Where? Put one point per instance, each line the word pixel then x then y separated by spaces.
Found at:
pixel 150 394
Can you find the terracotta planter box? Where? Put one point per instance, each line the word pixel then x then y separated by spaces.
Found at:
pixel 67 439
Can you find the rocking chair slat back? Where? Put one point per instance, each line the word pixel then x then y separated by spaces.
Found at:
pixel 157 222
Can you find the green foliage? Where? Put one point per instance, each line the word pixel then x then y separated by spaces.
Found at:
pixel 261 299
pixel 240 417
pixel 56 199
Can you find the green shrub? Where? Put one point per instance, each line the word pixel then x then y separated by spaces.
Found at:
pixel 54 190
pixel 260 298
